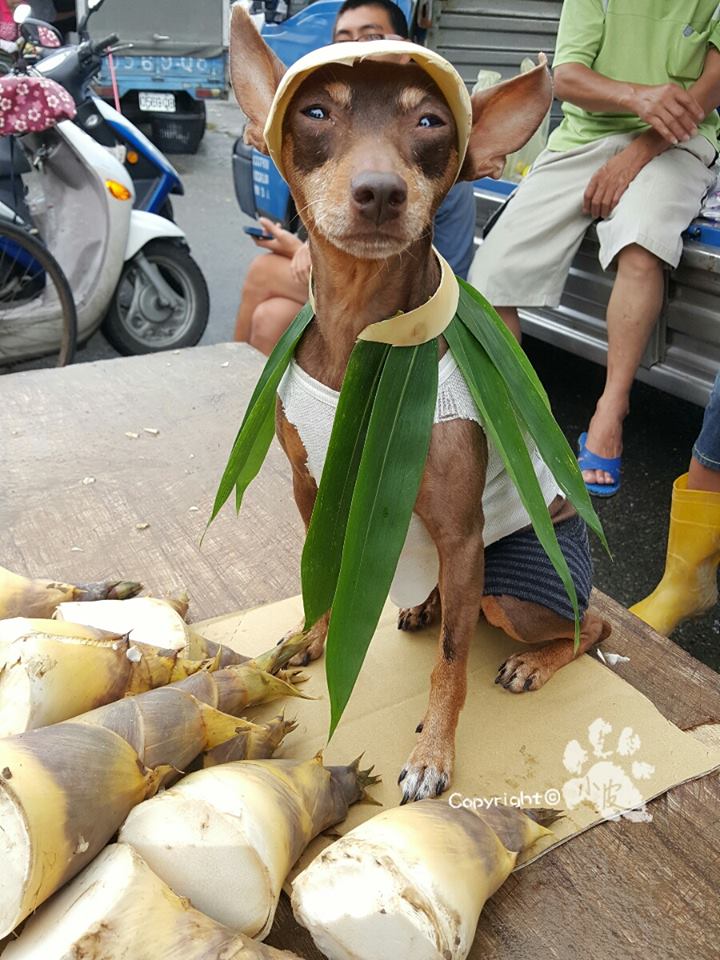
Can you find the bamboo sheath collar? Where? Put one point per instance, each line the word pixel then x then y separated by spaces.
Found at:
pixel 417 326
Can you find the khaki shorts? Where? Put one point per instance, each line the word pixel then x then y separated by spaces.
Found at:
pixel 525 260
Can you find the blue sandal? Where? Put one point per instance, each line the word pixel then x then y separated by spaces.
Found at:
pixel 588 460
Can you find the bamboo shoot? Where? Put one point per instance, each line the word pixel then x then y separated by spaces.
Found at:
pixel 146 620
pixel 227 836
pixel 65 789
pixel 22 597
pixel 55 670
pixel 410 883
pixel 117 909
pixel 51 671
pixel 161 623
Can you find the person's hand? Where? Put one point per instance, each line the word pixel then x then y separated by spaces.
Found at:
pixel 284 243
pixel 300 265
pixel 672 111
pixel 611 181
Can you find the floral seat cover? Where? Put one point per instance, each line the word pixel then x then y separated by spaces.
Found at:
pixel 32 104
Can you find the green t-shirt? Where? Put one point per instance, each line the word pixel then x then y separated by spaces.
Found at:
pixel 636 41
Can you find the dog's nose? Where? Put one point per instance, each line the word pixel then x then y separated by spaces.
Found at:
pixel 379 196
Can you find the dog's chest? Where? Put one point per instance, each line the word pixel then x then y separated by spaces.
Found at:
pixel 310 406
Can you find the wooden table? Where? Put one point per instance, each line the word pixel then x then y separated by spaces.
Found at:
pixel 76 494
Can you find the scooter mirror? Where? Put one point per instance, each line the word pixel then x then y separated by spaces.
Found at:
pixel 39 33
pixel 90 7
pixel 22 12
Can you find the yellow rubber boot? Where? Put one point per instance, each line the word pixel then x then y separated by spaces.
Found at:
pixel 689 584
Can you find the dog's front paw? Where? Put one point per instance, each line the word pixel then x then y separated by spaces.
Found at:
pixel 428 770
pixel 522 672
pixel 316 642
pixel 417 618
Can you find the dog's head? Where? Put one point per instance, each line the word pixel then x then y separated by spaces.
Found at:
pixel 370 145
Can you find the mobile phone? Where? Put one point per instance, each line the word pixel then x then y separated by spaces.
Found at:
pixel 258 233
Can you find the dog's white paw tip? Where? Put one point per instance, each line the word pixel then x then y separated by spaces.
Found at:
pixel 420 783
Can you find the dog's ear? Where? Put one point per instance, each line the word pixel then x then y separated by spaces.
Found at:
pixel 256 73
pixel 504 118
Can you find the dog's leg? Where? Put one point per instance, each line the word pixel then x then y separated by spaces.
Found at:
pixel 424 615
pixel 534 624
pixel 305 491
pixel 450 505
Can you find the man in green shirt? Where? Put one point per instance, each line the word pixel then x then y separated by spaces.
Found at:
pixel 639 81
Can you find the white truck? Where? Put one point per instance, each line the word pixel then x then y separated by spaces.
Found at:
pixel 178 61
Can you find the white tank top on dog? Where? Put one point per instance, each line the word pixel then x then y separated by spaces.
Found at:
pixel 310 406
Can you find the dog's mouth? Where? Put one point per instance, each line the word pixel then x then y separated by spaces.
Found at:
pixel 369 242
pixel 371 247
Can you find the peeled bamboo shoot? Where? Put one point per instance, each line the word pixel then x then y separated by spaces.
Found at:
pixel 117 909
pixel 143 619
pixel 161 623
pixel 52 670
pixel 410 883
pixel 22 597
pixel 65 789
pixel 227 837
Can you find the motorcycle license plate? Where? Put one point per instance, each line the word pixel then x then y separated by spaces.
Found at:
pixel 157 102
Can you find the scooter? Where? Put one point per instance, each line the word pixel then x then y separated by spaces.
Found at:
pixel 129 270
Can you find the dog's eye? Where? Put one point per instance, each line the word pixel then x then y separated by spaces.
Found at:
pixel 430 120
pixel 316 112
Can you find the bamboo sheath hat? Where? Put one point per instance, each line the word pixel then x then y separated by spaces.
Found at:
pixel 443 73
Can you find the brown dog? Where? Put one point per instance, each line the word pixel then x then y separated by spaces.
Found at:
pixel 369 152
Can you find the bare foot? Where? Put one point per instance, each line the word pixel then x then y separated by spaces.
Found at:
pixel 417 618
pixel 604 438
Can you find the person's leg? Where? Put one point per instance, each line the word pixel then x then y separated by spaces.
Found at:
pixel 704 470
pixel 270 320
pixel 524 260
pixel 703 478
pixel 633 310
pixel 510 318
pixel 642 234
pixel 269 276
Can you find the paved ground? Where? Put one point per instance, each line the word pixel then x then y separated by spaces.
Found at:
pixel 660 429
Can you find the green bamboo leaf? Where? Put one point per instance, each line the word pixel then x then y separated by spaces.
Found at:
pixel 322 552
pixel 256 431
pixel 391 468
pixel 529 400
pixel 491 396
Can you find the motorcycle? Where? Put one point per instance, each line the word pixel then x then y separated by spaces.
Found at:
pixel 130 271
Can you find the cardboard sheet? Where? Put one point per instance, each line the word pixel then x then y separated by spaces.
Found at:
pixel 587 742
